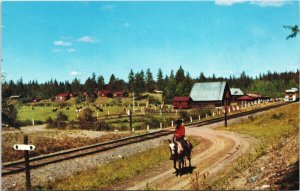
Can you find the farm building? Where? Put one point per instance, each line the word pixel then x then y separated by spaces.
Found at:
pixel 209 95
pixel 73 94
pixel 291 94
pixel 121 94
pixel 251 97
pixel 105 93
pixel 62 97
pixel 236 93
pixel 182 102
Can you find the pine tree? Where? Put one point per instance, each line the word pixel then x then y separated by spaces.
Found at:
pixel 150 83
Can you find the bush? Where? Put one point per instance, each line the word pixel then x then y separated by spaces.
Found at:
pixel 86 115
pixel 277 116
pixel 60 116
pixel 153 100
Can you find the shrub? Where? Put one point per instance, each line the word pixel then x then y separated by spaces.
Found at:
pixel 86 115
pixel 277 116
pixel 60 116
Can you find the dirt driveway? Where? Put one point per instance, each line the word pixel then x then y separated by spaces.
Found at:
pixel 225 148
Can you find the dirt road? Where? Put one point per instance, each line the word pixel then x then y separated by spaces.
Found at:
pixel 225 148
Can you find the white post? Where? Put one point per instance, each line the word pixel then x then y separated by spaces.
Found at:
pixel 32 121
pixel 206 115
pixel 172 123
pixel 191 119
pixel 132 129
pixel 160 124
pixel 199 117
pixel 213 114
pixel 148 128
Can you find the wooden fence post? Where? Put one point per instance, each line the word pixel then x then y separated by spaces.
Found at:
pixel 27 167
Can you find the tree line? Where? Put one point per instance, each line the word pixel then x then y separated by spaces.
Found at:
pixel 177 83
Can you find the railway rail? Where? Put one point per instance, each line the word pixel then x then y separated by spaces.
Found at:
pixel 38 161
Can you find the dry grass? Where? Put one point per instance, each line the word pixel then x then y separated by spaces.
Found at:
pixel 48 142
pixel 270 129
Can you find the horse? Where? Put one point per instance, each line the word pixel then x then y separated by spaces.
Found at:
pixel 180 155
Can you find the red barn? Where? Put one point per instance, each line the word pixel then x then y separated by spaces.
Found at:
pixel 62 97
pixel 105 93
pixel 181 102
pixel 121 94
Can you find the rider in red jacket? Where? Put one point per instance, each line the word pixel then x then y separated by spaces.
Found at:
pixel 180 133
pixel 180 130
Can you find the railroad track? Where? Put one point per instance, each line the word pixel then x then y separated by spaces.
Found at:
pixel 38 161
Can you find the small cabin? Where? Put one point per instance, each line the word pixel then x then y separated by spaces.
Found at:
pixel 291 94
pixel 105 93
pixel 121 94
pixel 236 93
pixel 62 97
pixel 182 102
pixel 208 95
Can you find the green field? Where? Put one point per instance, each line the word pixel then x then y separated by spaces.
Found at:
pixel 112 106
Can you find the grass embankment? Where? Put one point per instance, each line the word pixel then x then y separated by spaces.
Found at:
pixel 49 142
pixel 120 169
pixel 270 129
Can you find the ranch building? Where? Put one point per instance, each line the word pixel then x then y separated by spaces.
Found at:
pixel 105 93
pixel 62 97
pixel 291 94
pixel 182 102
pixel 121 94
pixel 208 95
pixel 236 93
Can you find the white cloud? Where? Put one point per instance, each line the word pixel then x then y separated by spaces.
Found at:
pixel 228 2
pixel 62 43
pixel 88 39
pixel 108 7
pixel 262 3
pixel 71 50
pixel 269 3
pixel 74 73
pixel 126 24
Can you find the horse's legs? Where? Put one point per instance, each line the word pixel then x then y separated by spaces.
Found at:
pixel 174 163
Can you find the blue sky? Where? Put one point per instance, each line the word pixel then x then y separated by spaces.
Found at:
pixel 64 40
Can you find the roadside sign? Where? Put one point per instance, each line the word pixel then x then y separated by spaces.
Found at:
pixel 24 147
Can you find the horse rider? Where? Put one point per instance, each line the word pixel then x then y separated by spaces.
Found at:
pixel 180 133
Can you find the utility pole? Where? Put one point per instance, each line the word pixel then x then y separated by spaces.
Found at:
pixel 133 101
pixel 130 119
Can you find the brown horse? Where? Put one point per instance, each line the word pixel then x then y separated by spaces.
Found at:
pixel 177 155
